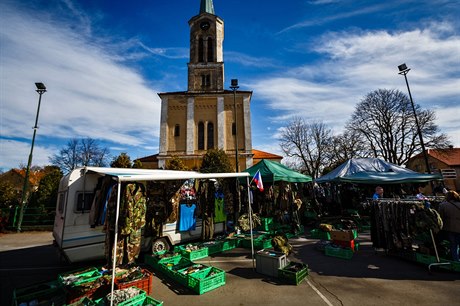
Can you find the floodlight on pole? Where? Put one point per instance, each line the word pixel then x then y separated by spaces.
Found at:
pixel 41 89
pixel 404 70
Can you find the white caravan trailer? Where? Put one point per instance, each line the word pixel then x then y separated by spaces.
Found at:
pixel 72 231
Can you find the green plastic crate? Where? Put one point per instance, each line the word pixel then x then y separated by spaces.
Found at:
pixel 344 253
pixel 229 244
pixel 134 301
pixel 184 279
pixel 155 260
pixel 214 247
pixel 83 276
pixel 292 277
pixel 151 301
pixel 173 265
pixel 204 282
pixel 195 254
pixel 319 234
pixel 47 293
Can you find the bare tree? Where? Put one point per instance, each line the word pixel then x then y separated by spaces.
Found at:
pixel 78 153
pixel 307 144
pixel 385 122
pixel 344 147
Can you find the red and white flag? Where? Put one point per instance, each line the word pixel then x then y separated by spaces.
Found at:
pixel 258 180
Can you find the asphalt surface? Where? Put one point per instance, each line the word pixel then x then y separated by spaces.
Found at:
pixel 369 278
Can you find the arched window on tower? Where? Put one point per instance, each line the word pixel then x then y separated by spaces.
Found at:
pixel 177 130
pixel 200 50
pixel 210 50
pixel 210 135
pixel 200 136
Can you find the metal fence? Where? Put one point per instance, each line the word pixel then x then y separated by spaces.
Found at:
pixel 34 218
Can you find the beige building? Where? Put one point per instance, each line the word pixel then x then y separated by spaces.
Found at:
pixel 203 117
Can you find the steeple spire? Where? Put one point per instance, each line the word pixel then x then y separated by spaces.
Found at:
pixel 207 6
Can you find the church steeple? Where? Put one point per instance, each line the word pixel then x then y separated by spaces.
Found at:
pixel 206 66
pixel 207 6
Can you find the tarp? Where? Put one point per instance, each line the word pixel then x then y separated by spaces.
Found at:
pixel 374 171
pixel 274 172
pixel 136 175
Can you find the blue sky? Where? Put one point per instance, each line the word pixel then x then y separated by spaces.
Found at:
pixel 104 62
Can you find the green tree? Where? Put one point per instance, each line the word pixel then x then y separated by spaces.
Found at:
pixel 216 161
pixel 121 161
pixel 137 164
pixel 9 196
pixel 46 194
pixel 176 163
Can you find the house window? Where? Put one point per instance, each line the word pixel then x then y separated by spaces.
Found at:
pixel 177 130
pixel 210 50
pixel 210 135
pixel 201 136
pixel 233 128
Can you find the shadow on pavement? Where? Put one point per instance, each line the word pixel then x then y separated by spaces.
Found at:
pixel 367 263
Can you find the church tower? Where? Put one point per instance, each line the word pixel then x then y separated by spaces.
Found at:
pixel 203 117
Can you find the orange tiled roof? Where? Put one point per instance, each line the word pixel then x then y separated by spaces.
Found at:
pixel 264 155
pixel 450 157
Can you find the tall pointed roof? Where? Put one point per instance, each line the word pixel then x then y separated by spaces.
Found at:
pixel 207 6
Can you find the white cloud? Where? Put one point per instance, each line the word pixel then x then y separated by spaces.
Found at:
pixel 90 93
pixel 360 62
pixel 16 153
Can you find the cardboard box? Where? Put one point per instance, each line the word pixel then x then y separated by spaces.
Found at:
pixel 342 235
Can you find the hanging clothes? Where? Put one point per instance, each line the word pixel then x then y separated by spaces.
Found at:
pixel 219 209
pixel 187 219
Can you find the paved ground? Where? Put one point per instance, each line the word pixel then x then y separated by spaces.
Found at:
pixel 369 278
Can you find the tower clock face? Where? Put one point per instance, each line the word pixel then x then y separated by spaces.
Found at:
pixel 204 25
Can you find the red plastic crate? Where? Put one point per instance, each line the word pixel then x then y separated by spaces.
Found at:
pixel 144 283
pixel 345 244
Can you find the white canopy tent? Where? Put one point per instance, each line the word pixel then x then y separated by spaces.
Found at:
pixel 142 175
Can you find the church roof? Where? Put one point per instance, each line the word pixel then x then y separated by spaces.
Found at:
pixel 207 6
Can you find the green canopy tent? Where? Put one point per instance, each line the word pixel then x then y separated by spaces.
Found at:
pixel 374 171
pixel 273 172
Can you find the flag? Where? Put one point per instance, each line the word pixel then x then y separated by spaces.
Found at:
pixel 258 180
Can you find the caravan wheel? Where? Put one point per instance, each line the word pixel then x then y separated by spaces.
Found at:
pixel 161 244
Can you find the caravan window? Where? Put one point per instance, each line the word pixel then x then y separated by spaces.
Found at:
pixel 86 205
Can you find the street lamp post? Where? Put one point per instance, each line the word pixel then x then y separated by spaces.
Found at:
pixel 234 86
pixel 41 89
pixel 404 71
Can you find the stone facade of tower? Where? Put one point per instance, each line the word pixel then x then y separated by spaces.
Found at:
pixel 202 117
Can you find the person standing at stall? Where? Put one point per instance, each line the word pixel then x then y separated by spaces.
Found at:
pixel 378 193
pixel 449 210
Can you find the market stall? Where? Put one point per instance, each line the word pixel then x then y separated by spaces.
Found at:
pixel 281 197
pixel 374 171
pixel 137 175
